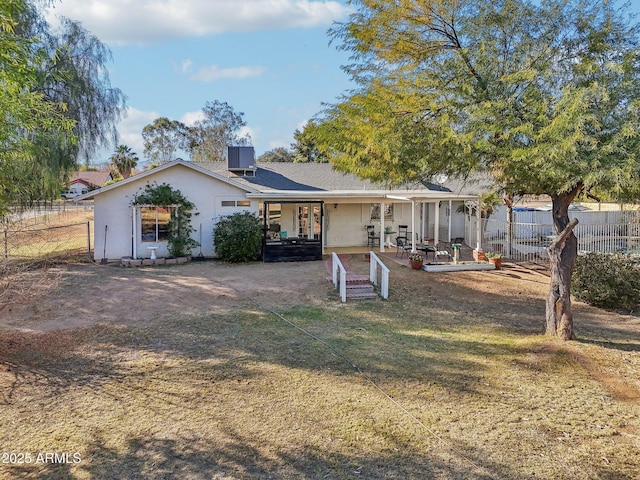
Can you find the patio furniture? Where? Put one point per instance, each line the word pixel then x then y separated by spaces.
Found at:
pixel 373 240
pixel 387 238
pixel 403 231
pixel 442 251
pixel 426 248
pixel 402 246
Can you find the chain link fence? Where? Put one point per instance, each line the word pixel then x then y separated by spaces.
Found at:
pixel 42 237
pixel 46 245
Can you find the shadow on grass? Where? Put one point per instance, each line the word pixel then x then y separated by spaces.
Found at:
pixel 438 341
pixel 234 456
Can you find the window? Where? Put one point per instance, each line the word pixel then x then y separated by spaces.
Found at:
pixel 233 203
pixel 155 223
pixel 388 211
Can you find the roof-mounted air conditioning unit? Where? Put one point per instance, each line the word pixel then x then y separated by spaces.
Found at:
pixel 241 159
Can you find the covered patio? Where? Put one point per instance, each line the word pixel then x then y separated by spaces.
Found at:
pixel 338 221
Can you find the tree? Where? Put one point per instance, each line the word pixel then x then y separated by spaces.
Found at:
pixel 25 114
pixel 543 97
pixel 305 148
pixel 75 74
pixel 163 138
pixel 56 102
pixel 221 127
pixel 123 161
pixel 279 154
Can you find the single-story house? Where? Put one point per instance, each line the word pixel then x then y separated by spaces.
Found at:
pixel 302 205
pixel 83 182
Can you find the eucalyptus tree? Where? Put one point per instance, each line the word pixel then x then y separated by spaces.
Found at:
pixel 163 139
pixel 278 154
pixel 543 96
pixel 221 126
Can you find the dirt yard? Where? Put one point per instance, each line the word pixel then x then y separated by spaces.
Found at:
pixel 44 316
pixel 83 295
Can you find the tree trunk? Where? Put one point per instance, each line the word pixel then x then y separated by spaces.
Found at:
pixel 563 252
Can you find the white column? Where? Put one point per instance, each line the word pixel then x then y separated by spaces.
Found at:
pixel 436 230
pixel 382 206
pixel 413 226
pixel 450 217
pixel 478 227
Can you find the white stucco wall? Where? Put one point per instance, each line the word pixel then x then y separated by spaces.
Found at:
pixel 345 222
pixel 113 209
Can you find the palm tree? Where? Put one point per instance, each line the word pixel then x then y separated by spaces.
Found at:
pixel 123 161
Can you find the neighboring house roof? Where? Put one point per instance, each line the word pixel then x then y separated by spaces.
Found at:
pixel 91 179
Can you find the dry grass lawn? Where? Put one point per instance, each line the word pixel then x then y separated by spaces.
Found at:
pixel 214 371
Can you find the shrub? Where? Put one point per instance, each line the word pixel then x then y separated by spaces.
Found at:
pixel 238 238
pixel 606 280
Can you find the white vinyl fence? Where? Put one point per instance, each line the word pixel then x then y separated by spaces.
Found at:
pixel 527 238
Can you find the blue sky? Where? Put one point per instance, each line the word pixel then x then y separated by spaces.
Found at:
pixel 269 59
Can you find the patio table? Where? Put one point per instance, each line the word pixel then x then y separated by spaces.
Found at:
pixel 387 239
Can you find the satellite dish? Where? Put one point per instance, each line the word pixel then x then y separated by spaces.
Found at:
pixel 441 178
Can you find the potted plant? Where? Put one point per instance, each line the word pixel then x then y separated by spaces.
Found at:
pixel 495 258
pixel 416 261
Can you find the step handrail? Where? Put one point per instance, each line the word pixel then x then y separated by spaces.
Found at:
pixel 336 265
pixel 374 263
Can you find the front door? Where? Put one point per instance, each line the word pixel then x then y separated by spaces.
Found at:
pixel 309 221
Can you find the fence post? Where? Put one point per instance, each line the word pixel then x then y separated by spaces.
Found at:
pixel 89 240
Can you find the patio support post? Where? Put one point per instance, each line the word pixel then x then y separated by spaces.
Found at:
pixel 436 232
pixel 450 217
pixel 413 226
pixel 478 227
pixel 382 237
pixel 325 220
pixel 423 219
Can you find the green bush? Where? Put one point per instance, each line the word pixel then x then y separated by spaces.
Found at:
pixel 607 280
pixel 238 238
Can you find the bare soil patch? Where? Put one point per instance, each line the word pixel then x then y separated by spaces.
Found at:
pixel 188 371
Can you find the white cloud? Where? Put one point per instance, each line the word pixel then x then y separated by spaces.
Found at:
pixel 247 131
pixel 147 21
pixel 190 118
pixel 130 128
pixel 214 72
pixel 186 66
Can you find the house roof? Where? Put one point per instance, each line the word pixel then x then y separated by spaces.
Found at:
pixel 323 179
pixel 166 166
pixel 92 179
pixel 303 180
